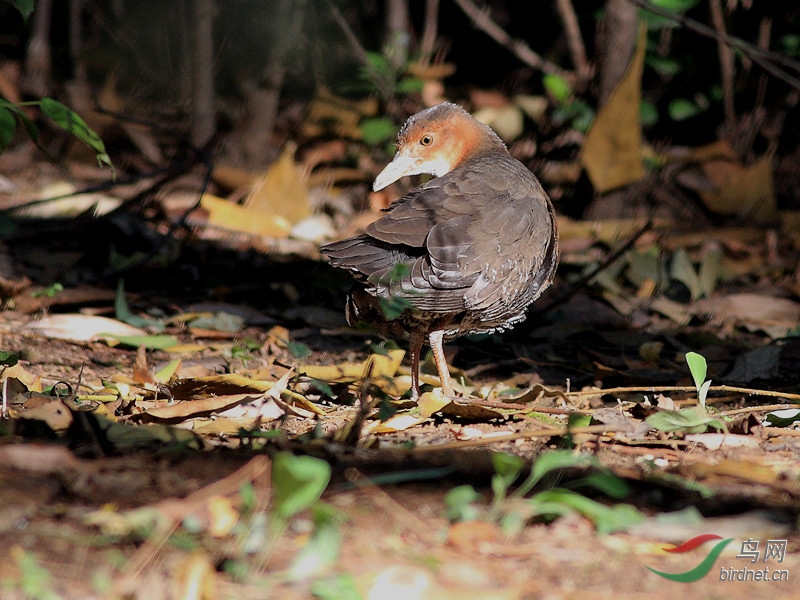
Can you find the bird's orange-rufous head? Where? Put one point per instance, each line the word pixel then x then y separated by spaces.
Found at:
pixel 436 141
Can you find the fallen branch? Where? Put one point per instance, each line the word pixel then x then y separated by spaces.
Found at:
pixel 683 388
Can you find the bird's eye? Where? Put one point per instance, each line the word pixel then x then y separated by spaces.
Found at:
pixel 426 140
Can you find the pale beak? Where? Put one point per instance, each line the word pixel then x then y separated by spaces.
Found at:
pixel 401 166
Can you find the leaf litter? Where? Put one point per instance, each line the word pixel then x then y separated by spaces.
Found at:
pixel 595 385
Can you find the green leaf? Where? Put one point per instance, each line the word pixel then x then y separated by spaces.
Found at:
pixel 579 420
pixel 681 109
pixel 710 270
pixel 379 63
pixel 410 85
pixel 606 519
pixel 460 502
pixel 687 420
pixel 377 130
pixel 697 367
pixel 682 270
pixel 783 418
pixel 675 5
pixel 8 125
pixel 508 466
pixel 648 113
pixel 25 7
pixel 298 350
pixel 124 314
pixel 70 121
pixel 298 482
pixel 30 128
pixel 558 87
pixel 51 291
pixel 8 359
pixel 643 265
pixel 664 66
pixel 554 461
pixel 337 587
pixel 702 393
pixel 606 482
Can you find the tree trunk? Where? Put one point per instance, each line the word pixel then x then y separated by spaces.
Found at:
pixel 618 33
pixel 203 113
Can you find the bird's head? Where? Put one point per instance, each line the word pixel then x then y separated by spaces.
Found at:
pixel 436 141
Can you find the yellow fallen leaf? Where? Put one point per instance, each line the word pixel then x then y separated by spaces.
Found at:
pixel 739 469
pixel 399 423
pixel 32 382
pixel 185 348
pixel 432 402
pixel 228 215
pixel 234 177
pixel 223 516
pixel 612 150
pixel 283 191
pixel 195 578
pixel 383 365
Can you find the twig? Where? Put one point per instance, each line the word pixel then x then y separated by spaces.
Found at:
pixel 574 40
pixel 754 409
pixel 429 31
pixel 725 64
pixel 520 49
pixel 522 435
pixel 684 388
pixel 603 265
pixel 766 59
pixel 358 49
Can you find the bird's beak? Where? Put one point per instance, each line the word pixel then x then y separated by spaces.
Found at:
pixel 401 166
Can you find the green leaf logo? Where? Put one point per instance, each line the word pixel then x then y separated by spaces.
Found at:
pixel 702 569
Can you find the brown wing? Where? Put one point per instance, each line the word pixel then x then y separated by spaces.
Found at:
pixel 458 242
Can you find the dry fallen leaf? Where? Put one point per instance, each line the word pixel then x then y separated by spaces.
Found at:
pixel 381 367
pixel 283 191
pixel 233 217
pixel 612 150
pixel 331 114
pixel 190 408
pixel 746 191
pixel 775 316
pixel 81 328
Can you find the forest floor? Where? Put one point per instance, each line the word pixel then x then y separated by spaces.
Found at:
pixel 156 461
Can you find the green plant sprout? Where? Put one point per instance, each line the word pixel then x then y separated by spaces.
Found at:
pixel 699 368
pixel 50 291
pixel 513 510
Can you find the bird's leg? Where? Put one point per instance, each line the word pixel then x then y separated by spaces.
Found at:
pixel 415 349
pixel 435 338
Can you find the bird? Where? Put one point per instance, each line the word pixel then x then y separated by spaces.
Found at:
pixel 467 252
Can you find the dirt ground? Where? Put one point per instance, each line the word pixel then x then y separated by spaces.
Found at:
pixel 70 500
